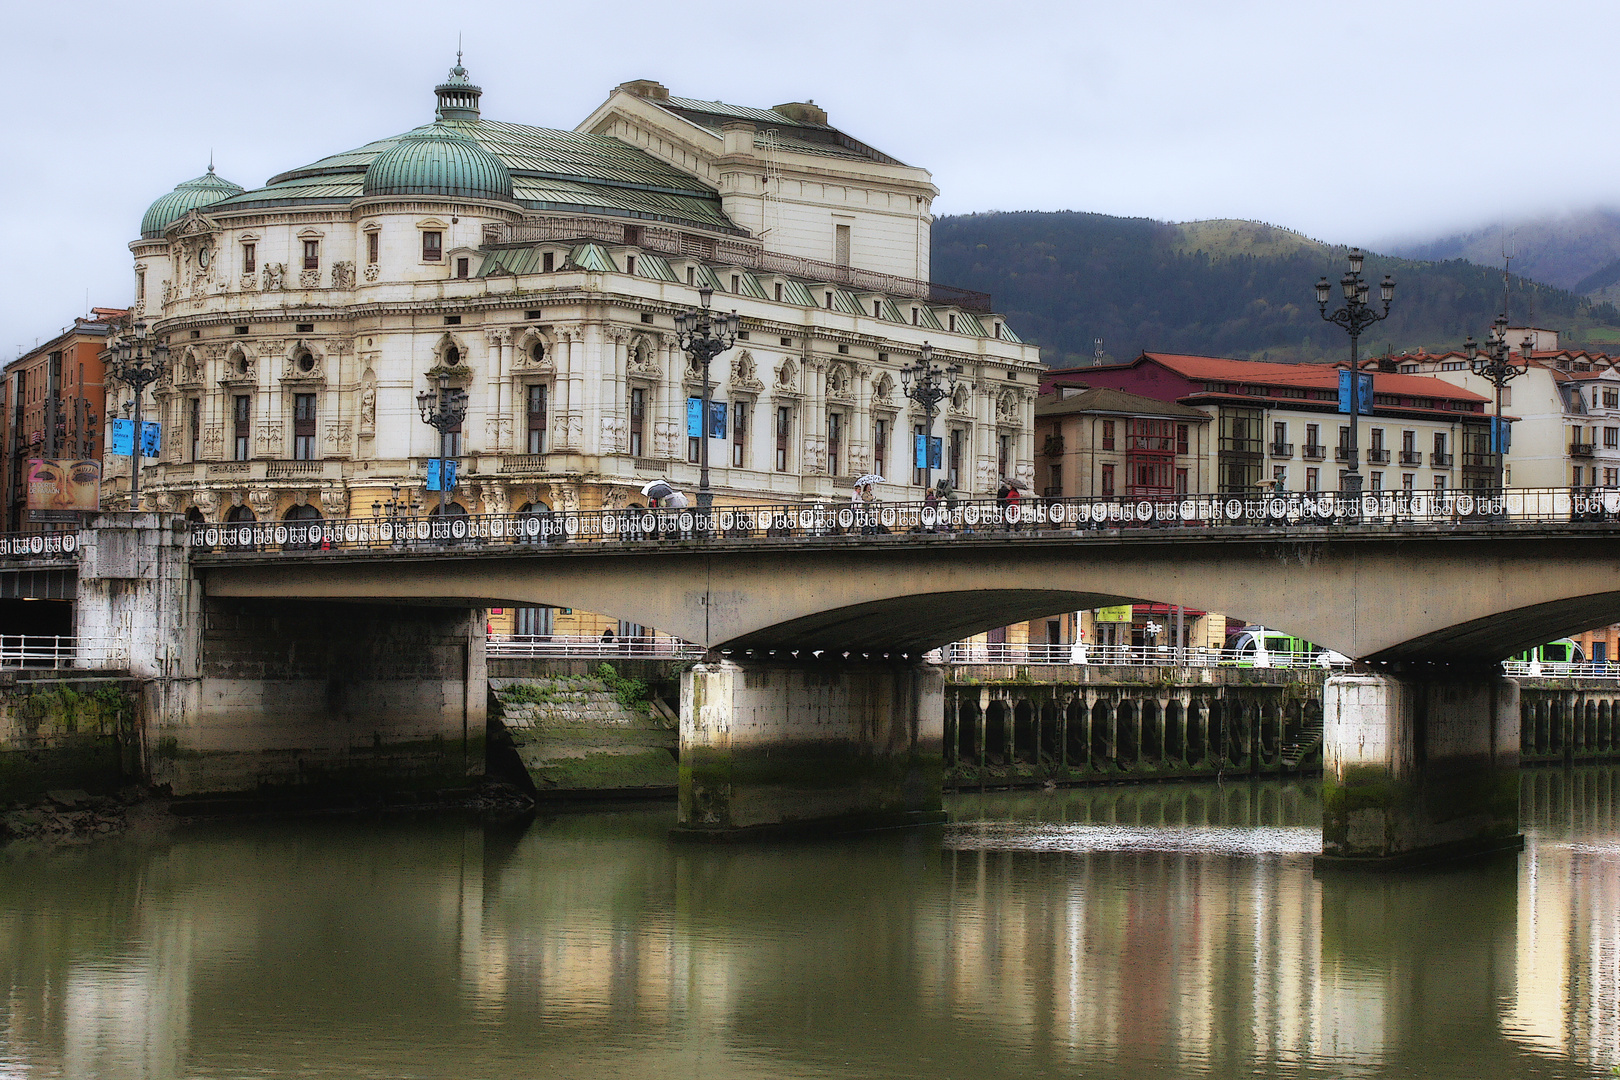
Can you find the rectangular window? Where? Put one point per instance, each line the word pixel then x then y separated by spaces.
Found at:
pixel 736 283
pixel 537 418
pixel 1575 480
pixel 250 258
pixel 958 441
pixel 140 284
pixel 1003 455
pixel 835 442
pixel 1344 436
pixel 372 244
pixel 1279 473
pixel 1439 485
pixel 548 262
pixel 1440 444
pixel 841 245
pixel 1313 479
pixel 1611 438
pixel 630 265
pixel 432 246
pixel 242 419
pixel 784 429
pixel 194 423
pixel 638 419
pixel 1107 479
pixel 304 427
pixel 312 254
pixel 1183 438
pixel 880 445
pixel 1107 434
pixel 1377 438
pixel 462 268
pixel 778 292
pixel 1181 481
pixel 1611 477
pixel 1313 440
pixel 739 433
pixel 1377 481
pixel 1611 398
pixel 1408 482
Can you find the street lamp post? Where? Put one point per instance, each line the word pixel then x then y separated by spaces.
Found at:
pixel 443 410
pixel 1355 316
pixel 138 361
pixel 703 336
pixel 928 383
pixel 1495 367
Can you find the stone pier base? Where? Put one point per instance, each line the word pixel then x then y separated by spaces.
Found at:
pixel 774 748
pixel 1419 769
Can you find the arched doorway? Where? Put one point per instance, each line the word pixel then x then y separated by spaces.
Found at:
pixel 305 535
pixel 241 513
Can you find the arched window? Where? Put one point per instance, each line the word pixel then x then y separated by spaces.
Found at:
pixel 306 512
pixel 194 514
pixel 538 352
pixel 241 513
pixel 452 510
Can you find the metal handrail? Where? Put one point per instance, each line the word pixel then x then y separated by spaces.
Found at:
pixel 53 651
pixel 890 522
pixel 586 646
pixel 39 545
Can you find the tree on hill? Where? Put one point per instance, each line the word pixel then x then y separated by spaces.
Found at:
pixel 1064 279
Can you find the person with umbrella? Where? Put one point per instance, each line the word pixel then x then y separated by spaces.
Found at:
pixel 863 494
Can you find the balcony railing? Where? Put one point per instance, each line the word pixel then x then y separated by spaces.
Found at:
pixel 733 251
pixel 41 651
pixel 1282 449
pixel 1341 453
pixel 1378 455
pixel 1411 457
pixel 1440 461
pixel 1313 452
pixel 1581 449
pixel 504 646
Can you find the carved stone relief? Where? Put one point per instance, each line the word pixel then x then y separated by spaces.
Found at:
pixel 206 502
pixel 615 432
pixel 665 434
pixel 343 275
pixel 262 501
pixel 335 502
pixel 337 436
pixel 269 438
pixel 213 441
pixel 985 475
pixel 496 499
pixel 372 270
pixel 309 279
pixel 745 373
pixel 273 275
pixel 368 410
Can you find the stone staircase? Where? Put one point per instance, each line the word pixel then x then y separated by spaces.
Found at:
pixel 1296 749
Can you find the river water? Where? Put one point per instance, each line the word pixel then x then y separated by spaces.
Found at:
pixel 1149 931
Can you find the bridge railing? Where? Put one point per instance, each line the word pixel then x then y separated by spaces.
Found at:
pixel 872 521
pixel 47 651
pixel 39 545
pixel 982 652
pixel 1585 669
pixel 585 646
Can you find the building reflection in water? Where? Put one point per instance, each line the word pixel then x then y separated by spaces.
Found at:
pixel 1568 1000
pixel 1169 930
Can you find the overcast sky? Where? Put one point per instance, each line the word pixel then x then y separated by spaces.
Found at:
pixel 1352 124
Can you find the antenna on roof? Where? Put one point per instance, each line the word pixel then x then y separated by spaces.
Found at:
pixel 210 159
pixel 1510 248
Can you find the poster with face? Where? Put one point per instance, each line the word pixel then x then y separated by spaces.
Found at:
pixel 62 484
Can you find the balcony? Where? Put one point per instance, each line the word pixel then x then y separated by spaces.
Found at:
pixel 1282 449
pixel 1341 453
pixel 1311 452
pixel 1378 456
pixel 1440 461
pixel 1412 458
pixel 285 469
pixel 1581 449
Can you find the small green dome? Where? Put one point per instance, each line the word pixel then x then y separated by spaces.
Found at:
pixel 186 197
pixel 439 160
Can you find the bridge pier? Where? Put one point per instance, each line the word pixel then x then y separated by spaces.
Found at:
pixel 1419 768
pixel 770 747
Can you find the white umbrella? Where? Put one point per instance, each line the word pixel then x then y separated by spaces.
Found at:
pixel 869 478
pixel 658 489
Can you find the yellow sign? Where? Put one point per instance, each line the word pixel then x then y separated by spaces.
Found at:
pixel 1122 613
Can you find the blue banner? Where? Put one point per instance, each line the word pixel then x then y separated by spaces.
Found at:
pixel 717 419
pixel 1365 384
pixel 935 445
pixel 694 418
pixel 123 438
pixel 1501 435
pixel 441 474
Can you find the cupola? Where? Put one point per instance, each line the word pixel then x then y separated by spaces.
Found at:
pixel 458 97
pixel 186 197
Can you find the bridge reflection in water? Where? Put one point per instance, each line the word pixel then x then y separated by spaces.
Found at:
pixel 1167 931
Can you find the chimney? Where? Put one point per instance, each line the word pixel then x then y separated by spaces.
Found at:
pixel 804 112
pixel 648 89
pixel 739 137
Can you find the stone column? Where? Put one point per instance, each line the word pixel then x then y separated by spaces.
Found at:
pixel 772 748
pixel 1419 768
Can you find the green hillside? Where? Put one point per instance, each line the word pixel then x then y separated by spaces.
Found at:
pixel 1222 288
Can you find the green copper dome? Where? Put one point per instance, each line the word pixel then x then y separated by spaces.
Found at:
pixel 186 197
pixel 439 160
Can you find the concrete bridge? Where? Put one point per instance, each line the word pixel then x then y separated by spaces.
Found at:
pixel 302 651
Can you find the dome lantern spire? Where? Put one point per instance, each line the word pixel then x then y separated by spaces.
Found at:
pixel 458 97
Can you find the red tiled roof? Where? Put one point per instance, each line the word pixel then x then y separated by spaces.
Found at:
pixel 1315 376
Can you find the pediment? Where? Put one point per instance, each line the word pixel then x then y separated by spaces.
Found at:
pixel 194 223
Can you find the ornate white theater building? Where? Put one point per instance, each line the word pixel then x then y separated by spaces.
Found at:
pixel 541 271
